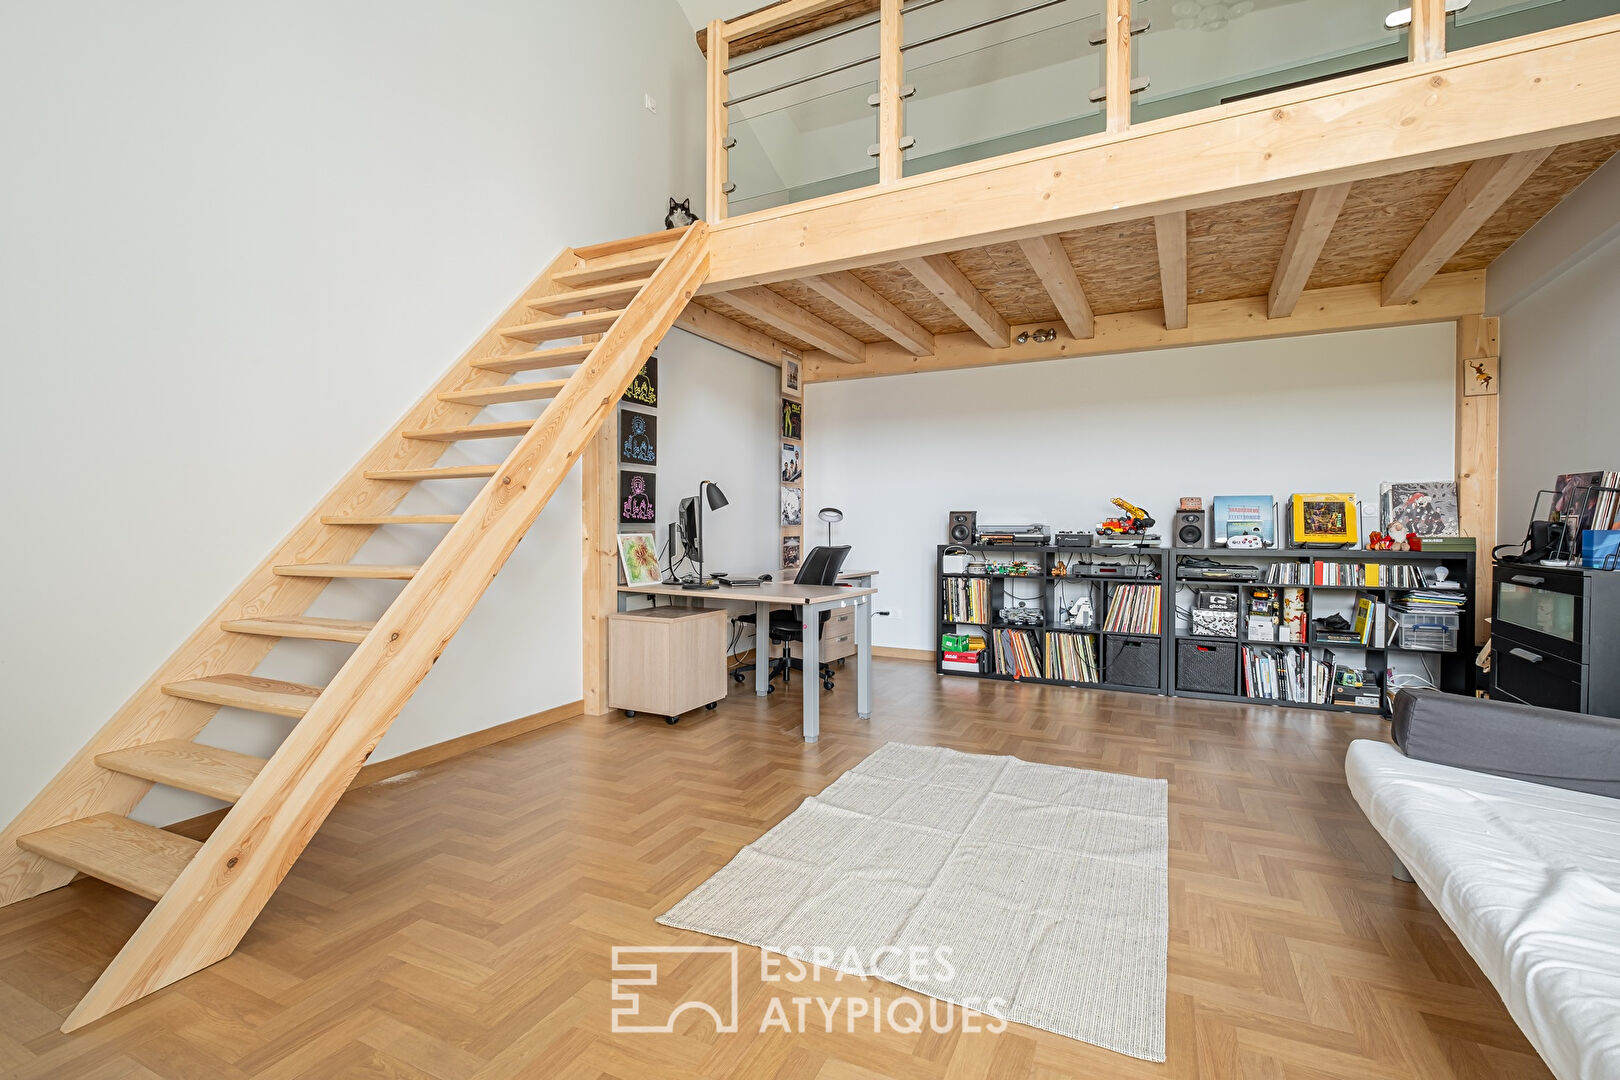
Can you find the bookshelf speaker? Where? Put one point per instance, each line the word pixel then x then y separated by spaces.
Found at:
pixel 963 523
pixel 1190 528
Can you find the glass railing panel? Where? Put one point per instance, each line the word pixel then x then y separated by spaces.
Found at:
pixel 800 119
pixel 997 76
pixel 1197 54
pixel 1484 21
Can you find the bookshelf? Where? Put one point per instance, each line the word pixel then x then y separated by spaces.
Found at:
pixel 1164 655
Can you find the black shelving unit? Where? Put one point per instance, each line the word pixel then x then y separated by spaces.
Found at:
pixel 1454 673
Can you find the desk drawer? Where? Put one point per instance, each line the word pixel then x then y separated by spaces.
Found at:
pixel 1534 677
pixel 838 635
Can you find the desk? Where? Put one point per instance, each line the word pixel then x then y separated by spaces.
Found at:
pixel 814 599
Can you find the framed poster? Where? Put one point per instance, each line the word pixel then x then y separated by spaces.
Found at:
pixel 792 419
pixel 638 556
pixel 638 502
pixel 638 438
pixel 792 507
pixel 643 389
pixel 792 376
pixel 1428 508
pixel 792 545
pixel 792 463
pixel 1244 515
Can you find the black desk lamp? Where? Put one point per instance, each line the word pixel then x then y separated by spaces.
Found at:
pixel 830 514
pixel 717 499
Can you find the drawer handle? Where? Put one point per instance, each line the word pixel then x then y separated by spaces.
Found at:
pixel 1526 655
pixel 1526 579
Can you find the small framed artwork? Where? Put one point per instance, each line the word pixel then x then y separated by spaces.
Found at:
pixel 638 438
pixel 792 463
pixel 792 507
pixel 792 419
pixel 643 389
pixel 638 556
pixel 1479 379
pixel 792 376
pixel 792 545
pixel 638 501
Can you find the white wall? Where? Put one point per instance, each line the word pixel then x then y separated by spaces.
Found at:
pixel 236 242
pixel 1560 381
pixel 1054 442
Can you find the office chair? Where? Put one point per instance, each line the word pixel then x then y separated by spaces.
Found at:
pixel 820 567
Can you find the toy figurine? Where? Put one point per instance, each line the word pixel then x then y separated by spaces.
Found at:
pixel 1134 522
pixel 1060 569
pixel 1081 614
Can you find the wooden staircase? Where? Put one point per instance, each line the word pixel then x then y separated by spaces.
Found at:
pixel 208 894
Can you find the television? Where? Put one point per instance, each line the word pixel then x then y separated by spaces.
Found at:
pixel 686 523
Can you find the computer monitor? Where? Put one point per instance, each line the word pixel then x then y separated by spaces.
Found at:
pixel 686 523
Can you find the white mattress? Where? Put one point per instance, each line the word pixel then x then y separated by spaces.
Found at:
pixel 1528 877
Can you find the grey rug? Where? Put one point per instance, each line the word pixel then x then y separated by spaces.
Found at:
pixel 1047 885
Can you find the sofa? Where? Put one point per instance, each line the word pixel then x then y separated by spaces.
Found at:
pixel 1508 818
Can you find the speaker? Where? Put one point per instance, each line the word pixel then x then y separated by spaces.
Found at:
pixel 1191 529
pixel 962 525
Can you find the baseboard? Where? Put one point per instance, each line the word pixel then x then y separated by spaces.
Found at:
pixel 200 826
pixel 893 653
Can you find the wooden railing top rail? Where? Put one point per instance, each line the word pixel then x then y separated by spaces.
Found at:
pixel 784 21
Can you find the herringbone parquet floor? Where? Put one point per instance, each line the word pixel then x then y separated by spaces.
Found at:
pixel 459 923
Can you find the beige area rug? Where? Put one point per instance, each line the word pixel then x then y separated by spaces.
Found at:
pixel 1046 885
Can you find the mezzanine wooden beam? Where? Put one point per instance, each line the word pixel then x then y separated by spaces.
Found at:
pixel 1308 234
pixel 1557 86
pixel 715 327
pixel 1321 311
pixel 1170 234
pixel 1051 264
pixel 790 318
pixel 866 304
pixel 941 277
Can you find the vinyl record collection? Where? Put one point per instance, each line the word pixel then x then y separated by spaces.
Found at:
pixel 1072 658
pixel 1133 609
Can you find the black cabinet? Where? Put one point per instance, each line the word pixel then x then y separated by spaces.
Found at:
pixel 1555 637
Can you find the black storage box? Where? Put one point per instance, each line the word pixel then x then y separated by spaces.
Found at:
pixel 1132 662
pixel 1206 667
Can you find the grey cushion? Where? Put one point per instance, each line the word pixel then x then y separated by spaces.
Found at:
pixel 1544 746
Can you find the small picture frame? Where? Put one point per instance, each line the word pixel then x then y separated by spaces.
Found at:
pixel 792 550
pixel 638 557
pixel 792 419
pixel 792 376
pixel 792 463
pixel 792 507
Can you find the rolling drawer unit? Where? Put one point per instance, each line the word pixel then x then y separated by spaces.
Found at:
pixel 1556 637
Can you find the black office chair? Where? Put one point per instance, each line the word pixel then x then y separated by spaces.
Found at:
pixel 820 567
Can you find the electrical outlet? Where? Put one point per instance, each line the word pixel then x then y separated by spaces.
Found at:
pixel 649 104
pixel 893 613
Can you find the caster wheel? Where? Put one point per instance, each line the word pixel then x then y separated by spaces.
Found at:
pixel 629 712
pixel 827 685
pixel 672 719
pixel 771 689
pixel 711 706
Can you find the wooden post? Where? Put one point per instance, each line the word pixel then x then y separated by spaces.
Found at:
pixel 599 479
pixel 891 108
pixel 714 203
pixel 1478 384
pixel 1117 64
pixel 1427 40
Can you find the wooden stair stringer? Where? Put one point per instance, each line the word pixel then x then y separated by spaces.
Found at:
pixel 81 788
pixel 216 898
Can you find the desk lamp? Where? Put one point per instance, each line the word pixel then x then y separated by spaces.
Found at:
pixel 717 499
pixel 830 514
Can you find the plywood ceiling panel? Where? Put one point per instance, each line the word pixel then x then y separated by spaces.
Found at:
pixel 1002 274
pixel 1380 219
pixel 1118 265
pixel 824 309
pixel 896 285
pixel 719 306
pixel 1232 250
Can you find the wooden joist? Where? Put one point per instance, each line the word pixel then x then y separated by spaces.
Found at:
pixel 615 294
pixel 565 326
pixel 1308 234
pixel 1051 264
pixel 306 627
pixel 189 766
pixel 712 326
pixel 439 472
pixel 790 318
pixel 135 857
pixel 1170 234
pixel 534 361
pixel 866 304
pixel 496 395
pixel 389 519
pixel 941 277
pixel 272 696
pixel 631 264
pixel 333 571
pixel 506 429
pixel 1484 187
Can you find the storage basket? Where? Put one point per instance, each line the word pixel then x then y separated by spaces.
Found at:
pixel 1206 667
pixel 1427 631
pixel 1132 662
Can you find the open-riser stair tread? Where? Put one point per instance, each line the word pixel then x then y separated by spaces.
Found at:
pixel 610 294
pixel 506 429
pixel 566 326
pixel 538 360
pixel 362 571
pixel 500 395
pixel 138 858
pixel 305 627
pixel 187 765
pixel 664 238
pixel 271 696
pixel 389 519
pixel 631 264
pixel 440 472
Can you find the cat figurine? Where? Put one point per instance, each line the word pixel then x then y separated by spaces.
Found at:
pixel 680 214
